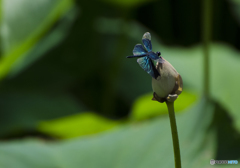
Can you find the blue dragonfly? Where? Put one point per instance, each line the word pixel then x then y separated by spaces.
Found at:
pixel 146 56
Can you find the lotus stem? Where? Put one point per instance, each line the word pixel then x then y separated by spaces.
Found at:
pixel 176 148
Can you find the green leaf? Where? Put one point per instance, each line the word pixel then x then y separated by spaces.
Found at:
pixel 146 144
pixel 20 37
pixel 51 39
pixel 144 107
pixel 77 125
pixel 225 79
pixel 22 110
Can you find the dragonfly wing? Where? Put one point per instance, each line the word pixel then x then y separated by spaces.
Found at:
pixel 139 50
pixel 153 55
pixel 148 66
pixel 146 39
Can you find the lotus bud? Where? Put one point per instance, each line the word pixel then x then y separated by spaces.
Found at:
pixel 168 85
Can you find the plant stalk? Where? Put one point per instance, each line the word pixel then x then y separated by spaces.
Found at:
pixel 176 148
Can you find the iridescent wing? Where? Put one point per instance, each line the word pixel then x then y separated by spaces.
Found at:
pixel 139 50
pixel 146 39
pixel 153 55
pixel 148 66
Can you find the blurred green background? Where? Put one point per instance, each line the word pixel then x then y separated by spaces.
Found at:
pixel 70 98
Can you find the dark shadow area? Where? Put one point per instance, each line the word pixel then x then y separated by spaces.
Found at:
pixel 228 146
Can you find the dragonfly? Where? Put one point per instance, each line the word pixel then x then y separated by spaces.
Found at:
pixel 146 56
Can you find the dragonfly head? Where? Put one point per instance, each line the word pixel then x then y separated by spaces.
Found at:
pixel 158 53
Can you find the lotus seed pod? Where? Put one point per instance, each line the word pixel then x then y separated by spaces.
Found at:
pixel 168 85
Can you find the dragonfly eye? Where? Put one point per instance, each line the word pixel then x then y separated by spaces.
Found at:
pixel 158 53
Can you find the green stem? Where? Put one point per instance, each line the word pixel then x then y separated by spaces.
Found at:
pixel 173 124
pixel 206 38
